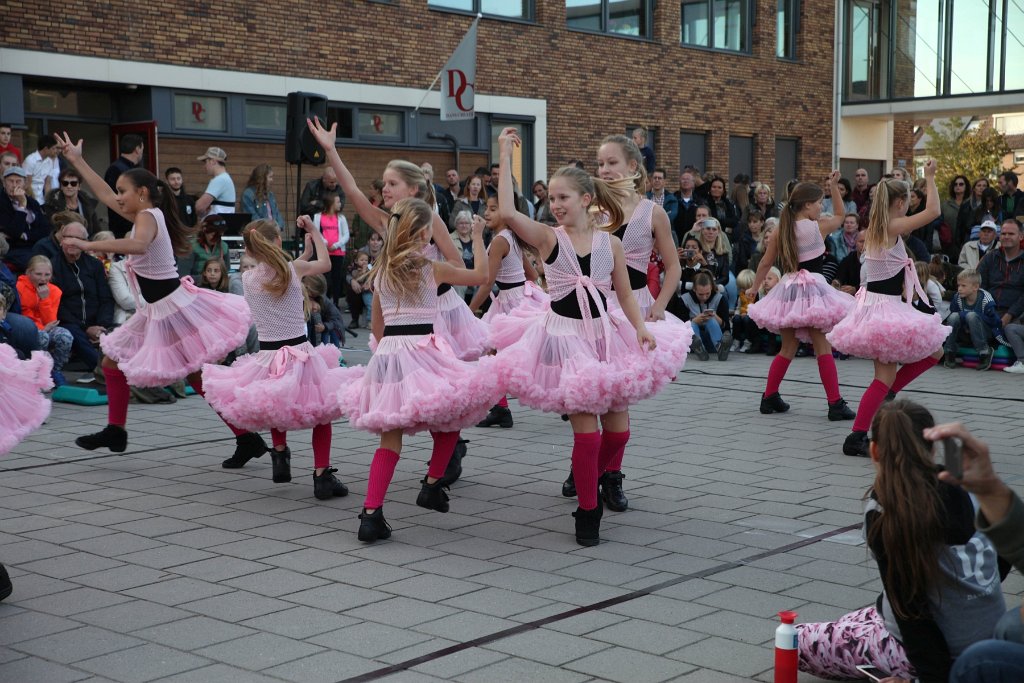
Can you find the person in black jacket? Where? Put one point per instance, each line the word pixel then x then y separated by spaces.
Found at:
pixel 131 147
pixel 722 207
pixel 22 220
pixel 87 305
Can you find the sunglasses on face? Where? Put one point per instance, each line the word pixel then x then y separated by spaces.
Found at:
pixel 69 183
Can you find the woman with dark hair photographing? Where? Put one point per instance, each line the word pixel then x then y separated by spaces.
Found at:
pixel 941 586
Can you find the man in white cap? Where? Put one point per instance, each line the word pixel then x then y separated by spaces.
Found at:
pixel 22 220
pixel 219 196
pixel 983 237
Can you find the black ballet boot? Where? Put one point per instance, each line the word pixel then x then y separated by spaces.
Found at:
pixel 773 404
pixel 610 488
pixel 499 416
pixel 840 411
pixel 432 496
pixel 569 486
pixel 327 486
pixel 282 465
pixel 856 444
pixel 6 587
pixel 112 437
pixel 373 526
pixel 588 525
pixel 247 446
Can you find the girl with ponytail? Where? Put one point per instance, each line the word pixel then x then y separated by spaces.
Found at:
pixel 456 324
pixel 575 358
pixel 181 329
pixel 804 306
pixel 289 384
pixel 940 578
pixel 884 325
pixel 414 382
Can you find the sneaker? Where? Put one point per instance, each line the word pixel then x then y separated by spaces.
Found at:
pixel 247 446
pixel 499 416
pixel 58 379
pixel 281 461
pixel 746 346
pixel 112 437
pixel 610 487
pixel 373 526
pixel 569 486
pixel 326 485
pixel 724 346
pixel 454 469
pixel 588 525
pixel 736 344
pixel 5 583
pixel 856 444
pixel 697 348
pixel 432 496
pixel 985 359
pixel 840 411
pixel 1017 367
pixel 950 359
pixel 773 404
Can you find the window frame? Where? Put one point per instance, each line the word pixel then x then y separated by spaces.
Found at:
pixel 646 6
pixel 748 29
pixel 529 18
pixel 792 7
pixel 256 130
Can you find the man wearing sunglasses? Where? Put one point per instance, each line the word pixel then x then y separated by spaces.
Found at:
pixel 69 197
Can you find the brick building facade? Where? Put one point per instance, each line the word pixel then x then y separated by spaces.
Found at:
pixel 569 87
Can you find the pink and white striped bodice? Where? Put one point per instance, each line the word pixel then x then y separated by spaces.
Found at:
pixel 638 238
pixel 418 309
pixel 277 318
pixel 157 262
pixel 511 267
pixel 565 276
pixel 809 242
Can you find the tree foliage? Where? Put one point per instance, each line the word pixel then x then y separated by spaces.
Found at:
pixel 976 153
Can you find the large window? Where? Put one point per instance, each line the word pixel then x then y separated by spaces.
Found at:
pixel 786 150
pixel 717 24
pixel 693 149
pixel 495 8
pixel 741 156
pixel 622 17
pixel 787 20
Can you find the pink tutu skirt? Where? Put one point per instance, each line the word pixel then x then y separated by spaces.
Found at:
pixel 294 387
pixel 547 361
pixel 802 301
pixel 171 338
pixel 23 408
pixel 885 328
pixel 507 300
pixel 672 334
pixel 415 383
pixel 465 333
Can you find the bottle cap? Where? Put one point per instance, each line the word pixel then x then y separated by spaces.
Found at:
pixel 787 617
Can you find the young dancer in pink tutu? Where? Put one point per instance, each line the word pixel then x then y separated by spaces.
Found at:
pixel 575 358
pixel 645 230
pixel 414 382
pixel 884 325
pixel 803 306
pixel 289 384
pixel 181 327
pixel 509 266
pixel 23 408
pixel 456 324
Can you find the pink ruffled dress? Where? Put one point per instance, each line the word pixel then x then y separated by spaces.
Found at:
pixel 637 235
pixel 803 300
pixel 884 325
pixel 23 408
pixel 288 384
pixel 465 333
pixel 513 289
pixel 414 381
pixel 181 329
pixel 575 357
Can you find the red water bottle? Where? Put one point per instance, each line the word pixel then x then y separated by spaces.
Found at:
pixel 786 649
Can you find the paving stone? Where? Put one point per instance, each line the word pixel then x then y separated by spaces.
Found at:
pixel 165 556
pixel 459 663
pixel 143 663
pixel 301 622
pixel 26 625
pixel 236 606
pixel 131 616
pixel 651 637
pixel 121 578
pixel 727 656
pixel 36 669
pixel 221 673
pixel 401 612
pixel 629 666
pixel 516 670
pixel 193 633
pixel 547 647
pixel 370 640
pixel 176 591
pixel 259 651
pixel 325 667
pixel 500 602
pixel 220 568
pixel 73 646
pixel 70 602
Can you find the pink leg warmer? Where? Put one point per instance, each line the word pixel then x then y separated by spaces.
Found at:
pixel 117 396
pixel 585 449
pixel 322 445
pixel 829 377
pixel 911 371
pixel 503 403
pixel 382 469
pixel 776 373
pixel 444 446
pixel 613 447
pixel 278 438
pixel 873 397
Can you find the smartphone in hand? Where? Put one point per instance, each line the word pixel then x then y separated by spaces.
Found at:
pixel 872 672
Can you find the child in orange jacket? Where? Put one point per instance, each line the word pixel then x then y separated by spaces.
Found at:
pixel 39 301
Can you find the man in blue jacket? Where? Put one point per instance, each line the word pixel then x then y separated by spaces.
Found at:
pixel 1002 272
pixel 659 196
pixel 86 305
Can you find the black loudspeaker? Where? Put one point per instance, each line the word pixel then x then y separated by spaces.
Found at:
pixel 299 145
